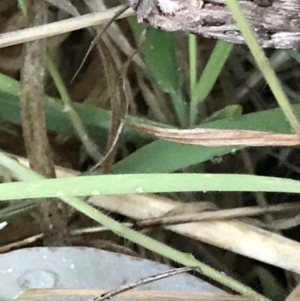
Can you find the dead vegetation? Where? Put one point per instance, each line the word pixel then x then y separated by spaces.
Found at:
pixel 98 85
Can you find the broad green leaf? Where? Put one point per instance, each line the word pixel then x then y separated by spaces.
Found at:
pixel 159 55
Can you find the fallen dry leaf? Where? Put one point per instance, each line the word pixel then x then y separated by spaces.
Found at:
pixel 216 137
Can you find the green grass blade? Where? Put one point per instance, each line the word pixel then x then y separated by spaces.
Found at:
pixel 209 76
pixel 22 5
pixel 136 237
pixel 295 55
pixel 163 157
pixel 226 112
pixel 193 50
pixel 159 55
pixel 96 120
pixel 90 147
pixel 145 183
pixel 269 284
pixel 263 64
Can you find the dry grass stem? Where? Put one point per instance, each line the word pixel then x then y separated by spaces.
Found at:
pixel 60 27
pixel 144 295
pixel 216 137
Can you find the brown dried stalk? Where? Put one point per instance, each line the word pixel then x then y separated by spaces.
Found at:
pixel 60 27
pixel 53 217
pixel 192 213
pixel 146 295
pixel 216 137
pixel 143 295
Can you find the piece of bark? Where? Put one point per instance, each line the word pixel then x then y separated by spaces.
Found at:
pixel 275 22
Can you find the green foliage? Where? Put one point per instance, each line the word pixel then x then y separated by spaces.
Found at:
pixel 159 54
pixel 37 183
pixel 209 76
pixel 227 112
pixel 96 120
pixel 144 183
pixel 149 168
pixel 263 64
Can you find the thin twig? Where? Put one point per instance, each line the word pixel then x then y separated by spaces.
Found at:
pixel 124 288
pixel 98 37
pixel 216 215
pixel 121 125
